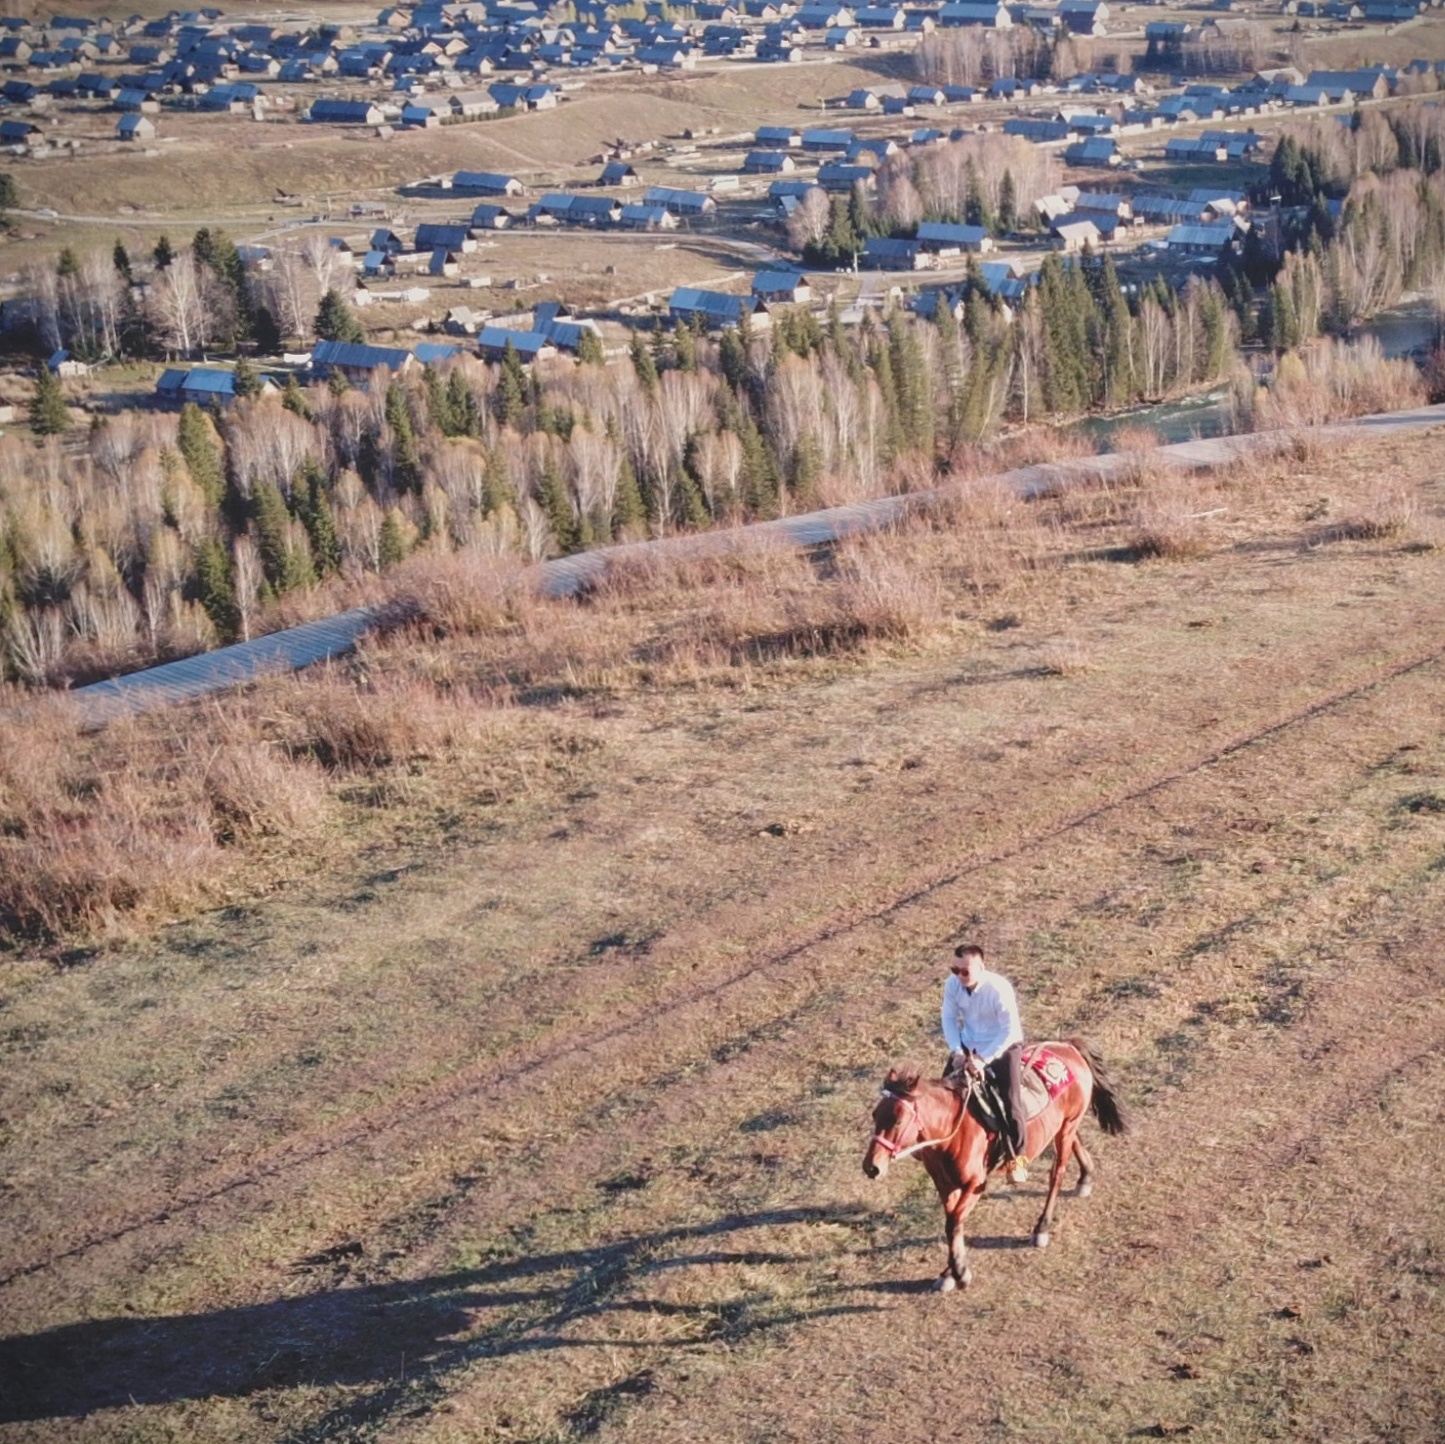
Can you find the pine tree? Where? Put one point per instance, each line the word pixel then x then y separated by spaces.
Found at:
pixel 1118 330
pixel 120 259
pixel 214 587
pixel 49 415
pixel 844 241
pixel 197 442
pixel 733 358
pixel 463 402
pixel 758 474
pixel 552 493
pixel 9 195
pixel 684 345
pixel 293 398
pixel 391 540
pixel 1008 206
pixel 68 263
pixel 642 363
pixel 1283 325
pixel 314 508
pixel 628 510
pixel 286 564
pixel 509 400
pixel 265 331
pixel 807 469
pixel 163 255
pixel 884 375
pixel 691 498
pixel 589 348
pixel 977 318
pixel 861 220
pixel 438 402
pixel 497 489
pixel 335 321
pixel 248 379
pixel 405 463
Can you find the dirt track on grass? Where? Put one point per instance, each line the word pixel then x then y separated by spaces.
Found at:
pixel 549 1126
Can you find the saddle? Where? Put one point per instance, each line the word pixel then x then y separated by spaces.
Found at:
pixel 1043 1077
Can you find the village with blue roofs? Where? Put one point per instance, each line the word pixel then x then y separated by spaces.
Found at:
pixel 1121 131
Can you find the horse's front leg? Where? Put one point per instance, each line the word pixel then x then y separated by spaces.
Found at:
pixel 1063 1151
pixel 957 1206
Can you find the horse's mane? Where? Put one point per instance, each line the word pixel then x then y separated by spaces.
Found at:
pixel 903 1081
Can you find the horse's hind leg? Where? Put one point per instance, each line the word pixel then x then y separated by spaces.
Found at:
pixel 1063 1151
pixel 1086 1168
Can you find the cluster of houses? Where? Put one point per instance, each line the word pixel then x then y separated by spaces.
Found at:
pixel 1201 224
pixel 426 65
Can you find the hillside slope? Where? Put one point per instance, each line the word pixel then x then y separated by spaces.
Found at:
pixel 541 1117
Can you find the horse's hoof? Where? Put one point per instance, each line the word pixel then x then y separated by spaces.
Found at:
pixel 1041 1239
pixel 967 1279
pixel 946 1284
pixel 1085 1189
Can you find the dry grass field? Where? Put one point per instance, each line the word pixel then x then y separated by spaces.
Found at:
pixel 521 1094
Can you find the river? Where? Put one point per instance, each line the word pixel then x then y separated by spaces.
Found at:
pixel 1408 329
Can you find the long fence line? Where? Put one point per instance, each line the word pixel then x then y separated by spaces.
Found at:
pixel 334 636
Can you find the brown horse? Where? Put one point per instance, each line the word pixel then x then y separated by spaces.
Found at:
pixel 915 1115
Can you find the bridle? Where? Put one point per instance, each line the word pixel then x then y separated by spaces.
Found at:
pixel 893 1149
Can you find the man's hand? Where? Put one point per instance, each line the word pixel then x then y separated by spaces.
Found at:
pixel 973 1066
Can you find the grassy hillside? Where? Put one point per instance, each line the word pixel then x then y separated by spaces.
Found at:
pixel 521 1092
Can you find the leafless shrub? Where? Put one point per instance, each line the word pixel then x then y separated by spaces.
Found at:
pixel 1170 519
pixel 256 790
pixel 1329 380
pixel 1390 510
pixel 1065 658
pixel 884 594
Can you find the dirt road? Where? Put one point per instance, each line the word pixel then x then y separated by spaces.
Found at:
pixel 544 1121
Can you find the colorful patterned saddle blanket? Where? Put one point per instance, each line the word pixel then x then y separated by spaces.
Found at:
pixel 1045 1075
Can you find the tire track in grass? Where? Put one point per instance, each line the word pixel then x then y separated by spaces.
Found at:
pixel 473 1082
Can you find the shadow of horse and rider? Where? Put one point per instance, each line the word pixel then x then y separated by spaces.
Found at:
pixel 362 1335
pixel 376 1335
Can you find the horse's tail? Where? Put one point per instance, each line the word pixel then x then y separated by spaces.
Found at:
pixel 1105 1103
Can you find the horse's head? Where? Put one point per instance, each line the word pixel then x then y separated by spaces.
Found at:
pixel 896 1124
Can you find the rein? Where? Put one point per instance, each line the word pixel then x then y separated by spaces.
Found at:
pixel 892 1148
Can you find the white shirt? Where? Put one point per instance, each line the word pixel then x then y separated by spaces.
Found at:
pixel 985 1021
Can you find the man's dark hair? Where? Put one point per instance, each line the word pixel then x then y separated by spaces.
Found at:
pixel 968 950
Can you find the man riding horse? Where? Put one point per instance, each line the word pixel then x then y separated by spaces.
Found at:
pixel 985 1039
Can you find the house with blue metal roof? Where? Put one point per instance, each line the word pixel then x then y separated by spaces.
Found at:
pixel 782 287
pixel 524 97
pixel 205 385
pixel 985 13
pixel 840 177
pixel 491 218
pixel 1038 131
pixel 769 162
pixel 1097 150
pixel 944 238
pixel 690 305
pixel 345 112
pixel 1199 240
pixel 357 361
pixel 576 210
pixel 890 253
pixel 494 341
pixel 825 141
pixel 433 236
pixel 642 217
pixel 679 202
